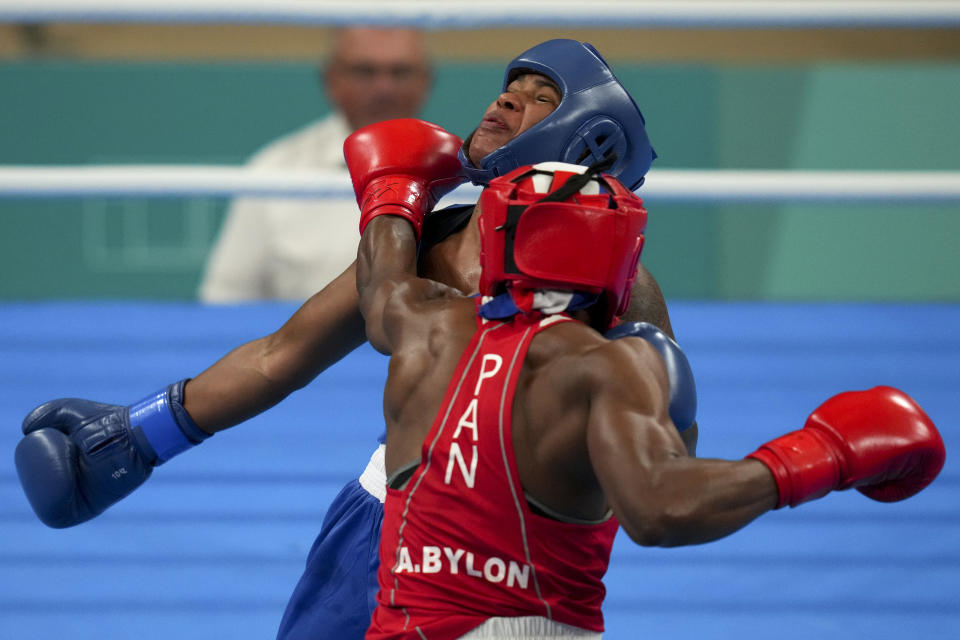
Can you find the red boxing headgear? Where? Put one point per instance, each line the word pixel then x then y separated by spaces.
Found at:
pixel 536 234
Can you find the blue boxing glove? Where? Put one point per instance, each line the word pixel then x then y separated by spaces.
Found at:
pixel 78 457
pixel 683 391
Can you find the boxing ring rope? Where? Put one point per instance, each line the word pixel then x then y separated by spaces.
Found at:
pixel 443 14
pixel 663 185
pixel 694 186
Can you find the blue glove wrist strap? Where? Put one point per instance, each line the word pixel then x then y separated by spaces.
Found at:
pixel 161 422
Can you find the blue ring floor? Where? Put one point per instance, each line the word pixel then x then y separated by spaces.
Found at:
pixel 213 543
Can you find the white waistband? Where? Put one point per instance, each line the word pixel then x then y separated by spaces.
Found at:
pixel 527 628
pixel 374 477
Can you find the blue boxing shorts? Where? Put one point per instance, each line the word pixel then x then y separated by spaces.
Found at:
pixel 336 594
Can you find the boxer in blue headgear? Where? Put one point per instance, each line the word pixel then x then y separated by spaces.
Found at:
pixel 596 118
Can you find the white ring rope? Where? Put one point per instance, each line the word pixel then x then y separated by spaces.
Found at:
pixel 446 14
pixel 663 185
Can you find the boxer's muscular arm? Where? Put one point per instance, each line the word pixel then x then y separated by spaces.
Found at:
pixel 647 305
pixel 878 440
pixel 660 495
pixel 386 264
pixel 254 377
pixel 390 290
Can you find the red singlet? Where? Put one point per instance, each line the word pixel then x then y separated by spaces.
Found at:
pixel 459 542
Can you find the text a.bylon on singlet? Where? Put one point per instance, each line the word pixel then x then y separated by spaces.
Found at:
pixel 489 367
pixel 436 559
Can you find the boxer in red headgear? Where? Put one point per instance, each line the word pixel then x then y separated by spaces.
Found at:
pixel 519 438
pixel 538 231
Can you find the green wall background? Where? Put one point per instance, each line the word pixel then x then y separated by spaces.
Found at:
pixel 871 116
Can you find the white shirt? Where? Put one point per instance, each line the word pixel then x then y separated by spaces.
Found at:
pixel 286 249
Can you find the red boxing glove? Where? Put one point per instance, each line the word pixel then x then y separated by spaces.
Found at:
pixel 401 168
pixel 879 441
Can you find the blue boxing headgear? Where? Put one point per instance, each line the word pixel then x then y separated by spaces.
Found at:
pixel 596 118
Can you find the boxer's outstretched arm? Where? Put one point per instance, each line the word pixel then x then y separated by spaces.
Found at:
pixel 77 457
pixel 257 375
pixel 879 441
pixel 660 494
